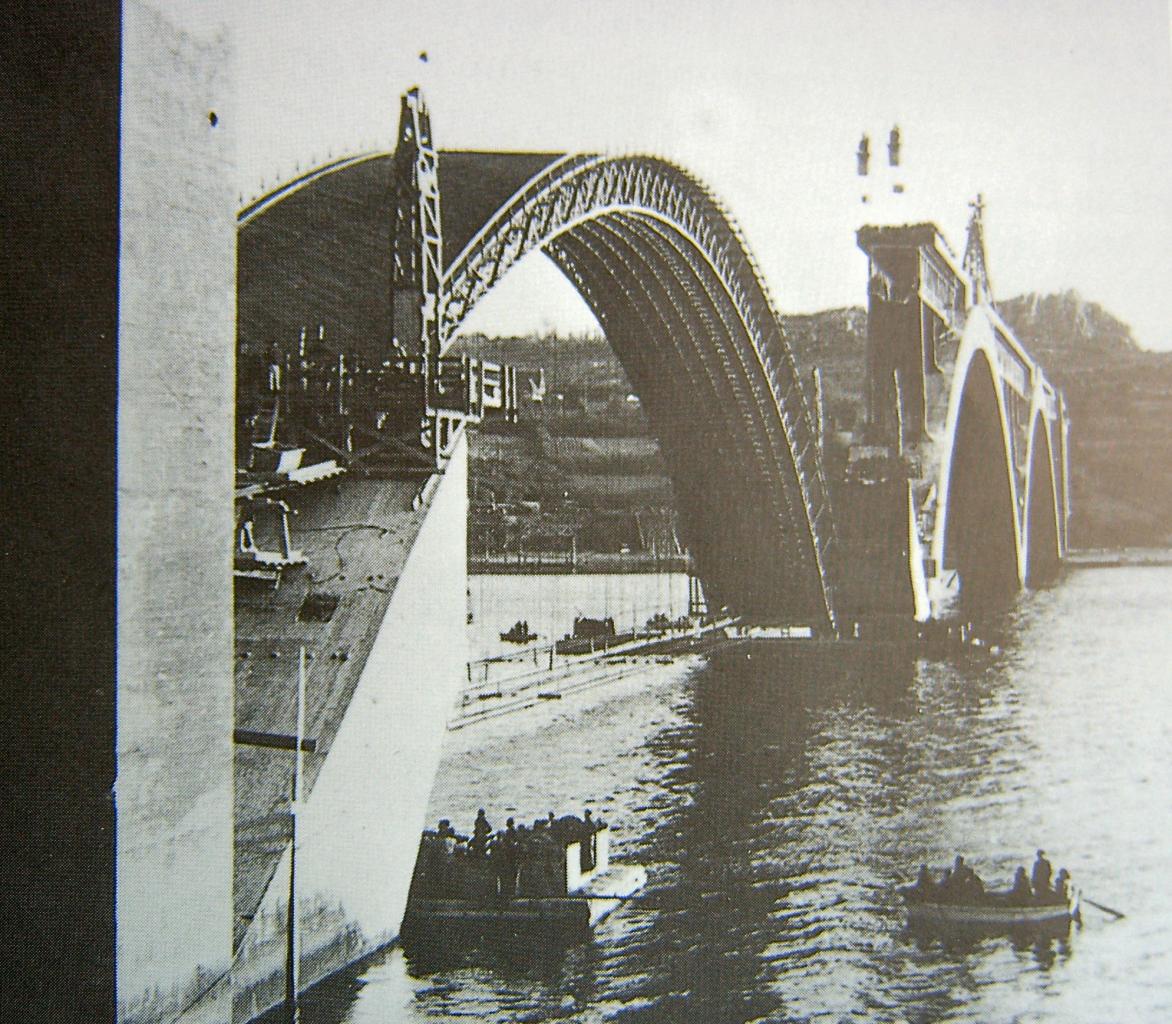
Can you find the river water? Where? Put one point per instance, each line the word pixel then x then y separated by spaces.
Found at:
pixel 776 798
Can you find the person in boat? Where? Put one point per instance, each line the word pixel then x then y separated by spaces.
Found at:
pixel 970 888
pixel 586 837
pixel 944 886
pixel 481 832
pixel 961 884
pixel 542 863
pixel 504 855
pixel 1021 894
pixel 950 885
pixel 569 828
pixel 446 850
pixel 924 885
pixel 1040 876
pixel 1062 886
pixel 523 861
pixel 447 836
pixel 974 888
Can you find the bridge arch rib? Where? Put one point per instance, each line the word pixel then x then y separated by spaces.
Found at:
pixel 1042 552
pixel 672 282
pixel 978 531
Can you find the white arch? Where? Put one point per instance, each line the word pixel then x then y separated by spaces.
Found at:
pixel 1037 415
pixel 980 337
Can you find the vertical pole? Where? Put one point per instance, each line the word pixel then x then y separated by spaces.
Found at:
pixel 293 934
pixel 819 411
pixel 898 413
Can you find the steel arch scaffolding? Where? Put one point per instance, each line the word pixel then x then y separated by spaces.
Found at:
pixel 671 280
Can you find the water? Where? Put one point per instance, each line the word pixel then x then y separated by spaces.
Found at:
pixel 550 604
pixel 776 799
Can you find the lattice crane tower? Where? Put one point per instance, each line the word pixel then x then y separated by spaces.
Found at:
pixel 974 263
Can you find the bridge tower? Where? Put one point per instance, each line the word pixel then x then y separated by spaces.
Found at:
pixel 916 298
pixel 416 285
pixel 956 486
pixel 916 311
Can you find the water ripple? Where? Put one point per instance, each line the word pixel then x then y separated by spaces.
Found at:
pixel 778 801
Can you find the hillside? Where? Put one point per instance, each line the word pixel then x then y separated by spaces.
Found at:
pixel 583 462
pixel 1120 401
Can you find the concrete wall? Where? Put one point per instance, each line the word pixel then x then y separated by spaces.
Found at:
pixel 358 833
pixel 175 479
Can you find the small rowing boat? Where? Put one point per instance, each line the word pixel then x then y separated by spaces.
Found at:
pixel 996 909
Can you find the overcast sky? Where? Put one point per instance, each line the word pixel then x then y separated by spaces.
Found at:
pixel 1058 111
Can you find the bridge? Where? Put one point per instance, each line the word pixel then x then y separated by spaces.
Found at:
pixel 956 483
pixel 352 285
pixel 322 660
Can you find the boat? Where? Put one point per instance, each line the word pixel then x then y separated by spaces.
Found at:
pixel 995 910
pixel 592 635
pixel 520 633
pixel 558 882
pixel 659 624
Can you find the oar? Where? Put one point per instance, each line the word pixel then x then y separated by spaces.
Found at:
pixel 1117 913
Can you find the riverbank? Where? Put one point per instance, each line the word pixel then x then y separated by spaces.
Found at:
pixel 583 563
pixel 1108 558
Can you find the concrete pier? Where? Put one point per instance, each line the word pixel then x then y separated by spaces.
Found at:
pixel 177 312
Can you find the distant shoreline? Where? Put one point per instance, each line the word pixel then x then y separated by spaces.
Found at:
pixel 584 563
pixel 1110 558
pixel 597 562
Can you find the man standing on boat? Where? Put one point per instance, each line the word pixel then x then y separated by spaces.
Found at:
pixel 481 831
pixel 1040 876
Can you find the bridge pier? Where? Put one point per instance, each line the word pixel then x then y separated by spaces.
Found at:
pixel 956 488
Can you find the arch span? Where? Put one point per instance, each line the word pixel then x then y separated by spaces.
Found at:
pixel 671 280
pixel 1042 553
pixel 978 534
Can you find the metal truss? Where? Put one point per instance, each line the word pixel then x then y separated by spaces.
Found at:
pixel 703 272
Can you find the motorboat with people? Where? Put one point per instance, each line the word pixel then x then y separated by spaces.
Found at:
pixel 960 898
pixel 554 877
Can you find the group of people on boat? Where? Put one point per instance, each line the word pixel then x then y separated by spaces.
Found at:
pixel 960 884
pixel 518 860
pixel 519 633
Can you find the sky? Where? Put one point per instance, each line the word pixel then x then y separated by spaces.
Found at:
pixel 1057 111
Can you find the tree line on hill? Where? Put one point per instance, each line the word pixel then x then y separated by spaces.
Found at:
pixel 583 459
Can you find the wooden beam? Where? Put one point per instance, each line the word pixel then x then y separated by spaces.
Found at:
pixel 273 740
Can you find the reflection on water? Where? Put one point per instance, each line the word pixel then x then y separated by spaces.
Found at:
pixel 776 797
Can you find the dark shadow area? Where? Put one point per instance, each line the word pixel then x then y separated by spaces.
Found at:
pixel 1042 562
pixel 979 541
pixel 1048 943
pixel 531 953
